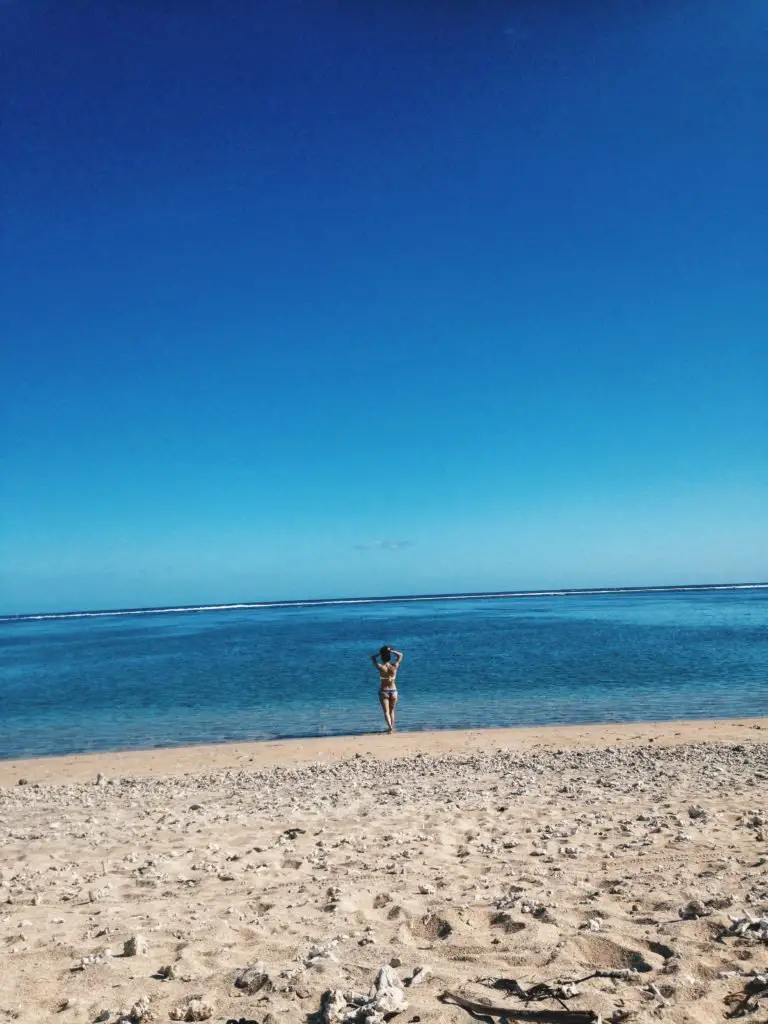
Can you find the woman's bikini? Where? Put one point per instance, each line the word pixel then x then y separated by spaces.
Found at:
pixel 387 674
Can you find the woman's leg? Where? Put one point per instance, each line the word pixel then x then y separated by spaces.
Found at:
pixel 392 707
pixel 384 700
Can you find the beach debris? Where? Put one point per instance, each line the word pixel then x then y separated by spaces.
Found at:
pixel 559 991
pixel 333 895
pixel 293 833
pixel 97 959
pixel 653 990
pixel 385 1000
pixel 755 928
pixel 692 910
pixel 537 909
pixel 138 1012
pixel 135 946
pixel 193 1008
pixel 754 819
pixel 720 902
pixel 321 955
pixel 513 1013
pixel 335 1005
pixel 746 1001
pixel 254 978
pixel 419 976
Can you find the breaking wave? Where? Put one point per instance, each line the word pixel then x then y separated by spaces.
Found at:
pixel 326 602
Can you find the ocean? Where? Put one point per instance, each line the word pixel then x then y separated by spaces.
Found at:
pixel 148 678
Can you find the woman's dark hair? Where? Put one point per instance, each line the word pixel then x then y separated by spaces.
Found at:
pixel 385 653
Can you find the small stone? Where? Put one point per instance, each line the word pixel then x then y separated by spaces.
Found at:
pixel 253 979
pixel 135 946
pixel 23 782
pixel 140 1009
pixel 167 973
pixel 333 1006
pixel 693 910
pixel 195 1008
pixel 419 976
pixel 98 959
pixel 102 1015
pixel 427 890
pixel 385 1000
pixel 100 780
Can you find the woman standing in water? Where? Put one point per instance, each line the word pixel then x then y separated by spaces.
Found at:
pixel 387 669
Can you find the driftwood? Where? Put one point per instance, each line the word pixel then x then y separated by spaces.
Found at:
pixel 534 1016
pixel 746 1001
pixel 560 992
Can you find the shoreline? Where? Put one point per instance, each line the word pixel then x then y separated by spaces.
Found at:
pixel 257 754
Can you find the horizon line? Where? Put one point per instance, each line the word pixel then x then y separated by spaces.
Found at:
pixel 328 601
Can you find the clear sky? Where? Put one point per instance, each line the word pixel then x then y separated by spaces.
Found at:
pixel 330 298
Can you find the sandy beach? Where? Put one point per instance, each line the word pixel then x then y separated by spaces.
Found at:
pixel 274 881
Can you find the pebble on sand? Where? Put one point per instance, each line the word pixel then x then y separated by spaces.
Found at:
pixel 135 946
pixel 194 1008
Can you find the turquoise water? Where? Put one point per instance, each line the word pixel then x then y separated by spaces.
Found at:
pixel 125 681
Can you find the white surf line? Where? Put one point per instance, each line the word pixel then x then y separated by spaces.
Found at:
pixel 326 602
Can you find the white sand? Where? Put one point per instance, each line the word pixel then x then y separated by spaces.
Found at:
pixel 538 855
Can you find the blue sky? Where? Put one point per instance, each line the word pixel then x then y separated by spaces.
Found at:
pixel 326 298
